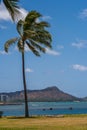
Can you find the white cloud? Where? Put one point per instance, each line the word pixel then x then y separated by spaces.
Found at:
pixel 80 44
pixel 60 46
pixel 16 48
pixel 52 52
pixel 79 67
pixel 46 17
pixel 26 48
pixel 43 18
pixel 83 14
pixel 4 15
pixel 4 53
pixel 48 51
pixel 28 70
pixel 24 13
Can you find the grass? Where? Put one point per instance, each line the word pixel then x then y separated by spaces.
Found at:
pixel 66 122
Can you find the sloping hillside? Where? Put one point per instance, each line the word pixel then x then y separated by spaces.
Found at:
pixel 47 94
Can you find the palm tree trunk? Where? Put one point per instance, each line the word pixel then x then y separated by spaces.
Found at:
pixel 25 88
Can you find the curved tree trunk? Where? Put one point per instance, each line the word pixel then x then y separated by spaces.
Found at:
pixel 25 88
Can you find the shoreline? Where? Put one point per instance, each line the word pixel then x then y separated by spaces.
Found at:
pixel 3 104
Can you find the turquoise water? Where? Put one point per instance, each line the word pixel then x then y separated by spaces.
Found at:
pixel 46 108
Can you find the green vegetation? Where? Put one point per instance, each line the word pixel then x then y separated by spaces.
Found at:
pixel 70 122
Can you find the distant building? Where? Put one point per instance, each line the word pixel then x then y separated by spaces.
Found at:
pixel 3 98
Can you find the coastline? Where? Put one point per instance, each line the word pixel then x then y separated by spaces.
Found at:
pixel 3 104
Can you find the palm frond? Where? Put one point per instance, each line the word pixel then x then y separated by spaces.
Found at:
pixel 35 26
pixel 20 27
pixel 13 8
pixel 33 34
pixel 44 42
pixel 42 24
pixel 29 34
pixel 42 37
pixel 33 49
pixel 39 36
pixel 32 16
pixel 31 19
pixel 9 42
pixel 45 35
pixel 36 45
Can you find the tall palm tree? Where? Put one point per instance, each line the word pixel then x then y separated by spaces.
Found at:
pixel 12 7
pixel 35 36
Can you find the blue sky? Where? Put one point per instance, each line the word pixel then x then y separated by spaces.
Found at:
pixel 65 66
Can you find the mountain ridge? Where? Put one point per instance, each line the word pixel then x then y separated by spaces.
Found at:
pixel 52 93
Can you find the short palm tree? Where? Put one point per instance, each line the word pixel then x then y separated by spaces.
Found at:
pixel 12 7
pixel 35 36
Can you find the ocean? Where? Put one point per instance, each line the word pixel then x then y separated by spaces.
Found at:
pixel 45 108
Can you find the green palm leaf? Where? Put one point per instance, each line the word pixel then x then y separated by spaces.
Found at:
pixel 42 25
pixel 32 16
pixel 20 27
pixel 30 20
pixel 36 45
pixel 9 42
pixel 12 7
pixel 42 38
pixel 33 49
